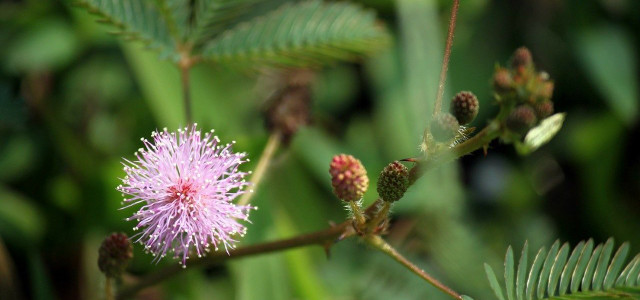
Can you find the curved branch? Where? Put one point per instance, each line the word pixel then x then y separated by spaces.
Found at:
pixel 480 140
pixel 380 244
pixel 263 164
pixel 323 237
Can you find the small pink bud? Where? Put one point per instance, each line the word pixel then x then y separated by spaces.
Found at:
pixel 348 177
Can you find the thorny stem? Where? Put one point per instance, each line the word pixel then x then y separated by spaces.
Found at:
pixel 447 54
pixel 380 244
pixel 380 217
pixel 108 293
pixel 322 237
pixel 360 220
pixel 263 164
pixel 480 140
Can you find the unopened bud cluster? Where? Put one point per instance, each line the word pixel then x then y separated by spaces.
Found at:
pixel 114 255
pixel 523 92
pixel 348 177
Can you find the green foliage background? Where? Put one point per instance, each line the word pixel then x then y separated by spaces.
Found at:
pixel 74 100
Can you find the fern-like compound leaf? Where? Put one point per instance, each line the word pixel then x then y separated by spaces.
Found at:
pixel 581 266
pixel 591 268
pixel 213 17
pixel 616 265
pixel 508 273
pixel 493 282
pixel 632 278
pixel 178 16
pixel 533 273
pixel 136 19
pixel 603 263
pixel 556 269
pixel 587 273
pixel 565 278
pixel 522 272
pixel 546 269
pixel 302 34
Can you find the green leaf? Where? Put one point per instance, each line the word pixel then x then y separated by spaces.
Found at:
pixel 633 274
pixel 591 267
pixel 522 272
pixel 302 34
pixel 541 134
pixel 465 297
pixel 508 273
pixel 581 266
pixel 610 59
pixel 616 265
pixel 533 274
pixel 136 19
pixel 565 279
pixel 623 276
pixel 177 14
pixel 211 18
pixel 493 282
pixel 556 270
pixel 546 268
pixel 603 262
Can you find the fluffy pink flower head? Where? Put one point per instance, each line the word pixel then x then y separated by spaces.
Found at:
pixel 185 183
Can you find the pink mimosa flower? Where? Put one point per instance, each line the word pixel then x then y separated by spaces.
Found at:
pixel 186 183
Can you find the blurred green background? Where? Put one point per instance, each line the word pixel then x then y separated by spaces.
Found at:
pixel 74 100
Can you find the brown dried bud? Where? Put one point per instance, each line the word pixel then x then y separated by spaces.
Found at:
pixel 289 109
pixel 393 182
pixel 114 255
pixel 444 127
pixel 348 177
pixel 464 107
pixel 521 119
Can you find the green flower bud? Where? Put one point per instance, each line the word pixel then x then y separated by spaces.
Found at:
pixel 393 182
pixel 444 127
pixel 464 107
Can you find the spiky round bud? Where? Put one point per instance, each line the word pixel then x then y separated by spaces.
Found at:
pixel 464 107
pixel 348 177
pixel 444 127
pixel 521 119
pixel 502 80
pixel 521 58
pixel 543 109
pixel 393 182
pixel 114 254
